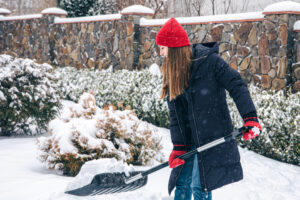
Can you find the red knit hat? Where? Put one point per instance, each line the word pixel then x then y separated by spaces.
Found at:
pixel 172 35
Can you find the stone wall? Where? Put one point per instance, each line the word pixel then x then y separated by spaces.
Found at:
pixel 26 38
pixel 263 49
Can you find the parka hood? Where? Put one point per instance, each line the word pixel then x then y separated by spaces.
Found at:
pixel 200 52
pixel 204 49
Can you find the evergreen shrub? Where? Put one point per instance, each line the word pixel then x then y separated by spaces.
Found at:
pixel 29 96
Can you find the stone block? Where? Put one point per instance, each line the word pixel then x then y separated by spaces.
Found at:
pixel 147 45
pixel 255 65
pixel 91 63
pixel 224 47
pixel 266 81
pixel 283 33
pixel 147 55
pixel 297 86
pixel 228 28
pixel 265 64
pixel 216 32
pixel 252 39
pixel 245 63
pixel 90 27
pixel 297 73
pixel 282 67
pixel 273 47
pixel 201 34
pixel 263 48
pixel 269 25
pixel 272 35
pixel 226 56
pixel 272 73
pixel 243 51
pixel 256 79
pixel 129 28
pixel 233 63
pixel 254 51
pixel 278 84
pixel 246 75
pixel 241 35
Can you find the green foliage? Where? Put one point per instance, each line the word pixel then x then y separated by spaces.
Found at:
pixel 85 132
pixel 79 8
pixel 279 115
pixel 140 90
pixel 29 97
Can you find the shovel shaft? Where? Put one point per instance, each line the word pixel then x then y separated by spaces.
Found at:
pixel 235 134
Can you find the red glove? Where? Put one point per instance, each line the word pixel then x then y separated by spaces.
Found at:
pixel 178 150
pixel 253 128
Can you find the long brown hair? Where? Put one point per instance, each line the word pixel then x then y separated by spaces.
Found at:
pixel 176 70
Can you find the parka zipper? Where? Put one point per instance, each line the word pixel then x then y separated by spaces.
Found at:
pixel 181 135
pixel 205 187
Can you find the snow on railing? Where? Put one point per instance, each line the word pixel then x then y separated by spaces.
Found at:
pixel 4 11
pixel 228 18
pixel 54 11
pixel 137 10
pixel 285 7
pixel 96 18
pixel 21 17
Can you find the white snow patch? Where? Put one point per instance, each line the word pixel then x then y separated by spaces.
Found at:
pixel 205 19
pixel 59 20
pixel 54 10
pixel 297 26
pixel 21 17
pixel 154 69
pixel 137 9
pixel 256 131
pixel 264 178
pixel 4 11
pixel 283 6
pixel 94 167
pixel 2 97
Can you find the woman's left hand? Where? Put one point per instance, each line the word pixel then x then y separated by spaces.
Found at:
pixel 253 128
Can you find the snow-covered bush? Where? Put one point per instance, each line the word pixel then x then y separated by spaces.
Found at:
pixel 279 116
pixel 29 97
pixel 138 89
pixel 85 132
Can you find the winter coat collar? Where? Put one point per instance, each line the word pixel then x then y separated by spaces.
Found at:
pixel 200 52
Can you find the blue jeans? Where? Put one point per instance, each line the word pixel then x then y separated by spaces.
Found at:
pixel 188 182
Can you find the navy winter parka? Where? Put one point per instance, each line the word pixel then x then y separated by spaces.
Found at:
pixel 208 118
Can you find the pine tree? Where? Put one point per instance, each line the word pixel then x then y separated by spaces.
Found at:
pixel 78 8
pixel 102 7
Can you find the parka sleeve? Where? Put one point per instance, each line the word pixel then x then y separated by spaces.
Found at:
pixel 175 129
pixel 232 81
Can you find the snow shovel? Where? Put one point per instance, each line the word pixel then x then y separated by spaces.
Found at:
pixel 108 183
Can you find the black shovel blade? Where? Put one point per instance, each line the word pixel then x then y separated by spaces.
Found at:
pixel 107 183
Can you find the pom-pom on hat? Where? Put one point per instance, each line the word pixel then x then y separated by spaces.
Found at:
pixel 172 34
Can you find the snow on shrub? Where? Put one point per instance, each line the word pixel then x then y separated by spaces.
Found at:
pixel 85 132
pixel 29 97
pixel 138 89
pixel 279 116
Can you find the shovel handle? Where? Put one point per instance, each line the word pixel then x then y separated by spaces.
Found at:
pixel 232 136
pixel 235 134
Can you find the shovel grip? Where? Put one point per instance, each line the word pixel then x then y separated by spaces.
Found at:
pixel 234 135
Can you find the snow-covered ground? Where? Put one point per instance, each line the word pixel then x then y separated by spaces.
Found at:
pixel 23 177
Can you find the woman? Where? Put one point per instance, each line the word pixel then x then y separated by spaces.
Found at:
pixel 194 82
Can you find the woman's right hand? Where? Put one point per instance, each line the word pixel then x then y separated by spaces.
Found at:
pixel 178 150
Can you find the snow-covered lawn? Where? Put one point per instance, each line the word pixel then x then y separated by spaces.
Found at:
pixel 23 177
